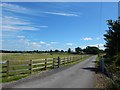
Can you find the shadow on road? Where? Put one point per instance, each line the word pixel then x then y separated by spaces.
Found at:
pixel 94 61
pixel 90 69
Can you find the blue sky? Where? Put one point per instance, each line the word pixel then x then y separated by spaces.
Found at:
pixel 55 25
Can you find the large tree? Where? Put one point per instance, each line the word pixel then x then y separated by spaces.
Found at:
pixel 78 50
pixel 112 37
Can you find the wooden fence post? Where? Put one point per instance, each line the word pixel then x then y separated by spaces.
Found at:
pixel 46 64
pixel 64 60
pixel 58 62
pixel 30 66
pixel 67 60
pixel 70 59
pixel 8 68
pixel 53 63
pixel 73 59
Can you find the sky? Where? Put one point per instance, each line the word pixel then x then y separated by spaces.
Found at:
pixel 55 25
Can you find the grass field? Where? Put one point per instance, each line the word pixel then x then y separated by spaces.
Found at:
pixel 32 56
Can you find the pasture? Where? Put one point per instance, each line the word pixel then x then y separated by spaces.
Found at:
pixel 32 56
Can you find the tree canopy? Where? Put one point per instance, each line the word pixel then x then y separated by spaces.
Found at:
pixel 78 50
pixel 112 38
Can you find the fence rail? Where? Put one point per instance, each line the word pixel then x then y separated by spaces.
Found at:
pixel 10 68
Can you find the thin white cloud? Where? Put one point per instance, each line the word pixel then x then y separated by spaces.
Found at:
pixel 17 24
pixel 18 28
pixel 69 44
pixel 48 44
pixel 41 42
pixel 28 42
pixel 10 23
pixel 87 38
pixel 21 9
pixel 9 20
pixel 35 44
pixel 18 9
pixel 53 42
pixel 13 8
pixel 20 36
pixel 25 41
pixel 61 13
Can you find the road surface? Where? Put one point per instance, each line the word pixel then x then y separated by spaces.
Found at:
pixel 81 75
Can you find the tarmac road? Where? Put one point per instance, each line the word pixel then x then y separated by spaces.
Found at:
pixel 81 75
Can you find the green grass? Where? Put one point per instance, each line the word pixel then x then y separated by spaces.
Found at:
pixel 84 58
pixel 32 56
pixel 13 78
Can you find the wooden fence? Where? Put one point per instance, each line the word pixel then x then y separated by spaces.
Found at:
pixel 13 68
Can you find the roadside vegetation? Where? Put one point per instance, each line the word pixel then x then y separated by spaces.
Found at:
pixel 112 38
pixel 111 57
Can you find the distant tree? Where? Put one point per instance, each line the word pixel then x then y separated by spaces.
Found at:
pixel 69 50
pixel 51 51
pixel 78 50
pixel 62 51
pixel 46 51
pixel 56 50
pixel 91 50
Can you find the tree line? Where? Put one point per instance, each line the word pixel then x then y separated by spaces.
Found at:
pixel 78 50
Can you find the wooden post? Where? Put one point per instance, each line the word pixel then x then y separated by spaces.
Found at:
pixel 30 66
pixel 70 59
pixel 8 68
pixel 73 59
pixel 53 63
pixel 58 62
pixel 67 60
pixel 64 60
pixel 46 64
pixel 81 56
